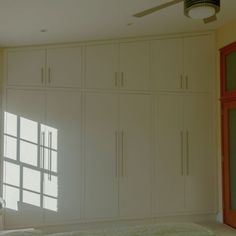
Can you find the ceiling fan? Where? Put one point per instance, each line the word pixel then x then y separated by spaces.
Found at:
pixel 195 9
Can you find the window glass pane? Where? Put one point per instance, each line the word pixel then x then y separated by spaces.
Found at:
pixel 28 153
pixel 10 147
pixel 28 130
pixel 11 174
pixel 10 124
pixel 31 198
pixel 11 196
pixel 232 136
pixel 50 203
pixel 54 161
pixel 231 72
pixel 50 185
pixel 31 179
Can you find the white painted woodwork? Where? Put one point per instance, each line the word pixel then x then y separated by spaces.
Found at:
pixel 135 156
pixel 102 66
pixel 166 66
pixel 101 182
pixel 169 188
pixel 28 104
pixel 199 62
pixel 64 67
pixel 200 175
pixel 66 162
pixel 26 67
pixel 134 65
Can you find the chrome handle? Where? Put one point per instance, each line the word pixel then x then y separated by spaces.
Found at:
pixel 42 149
pixel 117 154
pixel 186 81
pixel 122 79
pixel 182 152
pixel 116 79
pixel 122 154
pixel 42 75
pixel 49 75
pixel 187 152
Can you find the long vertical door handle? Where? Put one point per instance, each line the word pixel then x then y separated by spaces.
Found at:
pixel 117 153
pixel 122 79
pixel 122 154
pixel 181 81
pixel 187 151
pixel 42 75
pixel 49 75
pixel 116 79
pixel 182 152
pixel 42 149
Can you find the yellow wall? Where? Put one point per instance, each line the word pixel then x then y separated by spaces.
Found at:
pixel 225 35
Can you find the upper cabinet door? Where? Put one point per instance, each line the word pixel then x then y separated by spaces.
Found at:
pixel 102 66
pixel 26 68
pixel 198 63
pixel 64 67
pixel 135 156
pixel 134 66
pixel 167 65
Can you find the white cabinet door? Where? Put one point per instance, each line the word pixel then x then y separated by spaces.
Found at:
pixel 102 66
pixel 135 156
pixel 22 182
pixel 200 163
pixel 62 192
pixel 199 62
pixel 169 160
pixel 134 65
pixel 101 144
pixel 167 64
pixel 26 67
pixel 64 67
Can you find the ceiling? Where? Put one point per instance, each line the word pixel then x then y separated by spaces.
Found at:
pixel 21 21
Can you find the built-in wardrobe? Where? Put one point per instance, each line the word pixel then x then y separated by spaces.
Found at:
pixel 119 129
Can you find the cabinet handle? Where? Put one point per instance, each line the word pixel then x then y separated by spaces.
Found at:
pixel 117 154
pixel 122 79
pixel 187 152
pixel 122 154
pixel 49 75
pixel 116 79
pixel 186 81
pixel 182 152
pixel 181 81
pixel 42 75
pixel 42 149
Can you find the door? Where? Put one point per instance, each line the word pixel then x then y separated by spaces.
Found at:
pixel 101 155
pixel 64 67
pixel 135 156
pixel 200 162
pixel 22 182
pixel 166 54
pixel 62 191
pixel 26 67
pixel 169 155
pixel 229 161
pixel 102 66
pixel 134 65
pixel 198 63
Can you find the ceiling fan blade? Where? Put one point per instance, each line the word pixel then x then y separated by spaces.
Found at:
pixel 157 8
pixel 210 19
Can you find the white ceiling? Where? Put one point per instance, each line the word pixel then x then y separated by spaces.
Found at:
pixel 80 20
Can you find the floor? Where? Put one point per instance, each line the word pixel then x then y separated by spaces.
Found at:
pixel 220 229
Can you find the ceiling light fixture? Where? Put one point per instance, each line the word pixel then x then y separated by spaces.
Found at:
pixel 201 9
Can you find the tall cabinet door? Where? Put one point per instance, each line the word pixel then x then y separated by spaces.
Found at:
pixel 101 156
pixel 169 160
pixel 64 67
pixel 198 63
pixel 134 65
pixel 26 68
pixel 135 156
pixel 102 66
pixel 63 183
pixel 200 163
pixel 22 182
pixel 167 64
